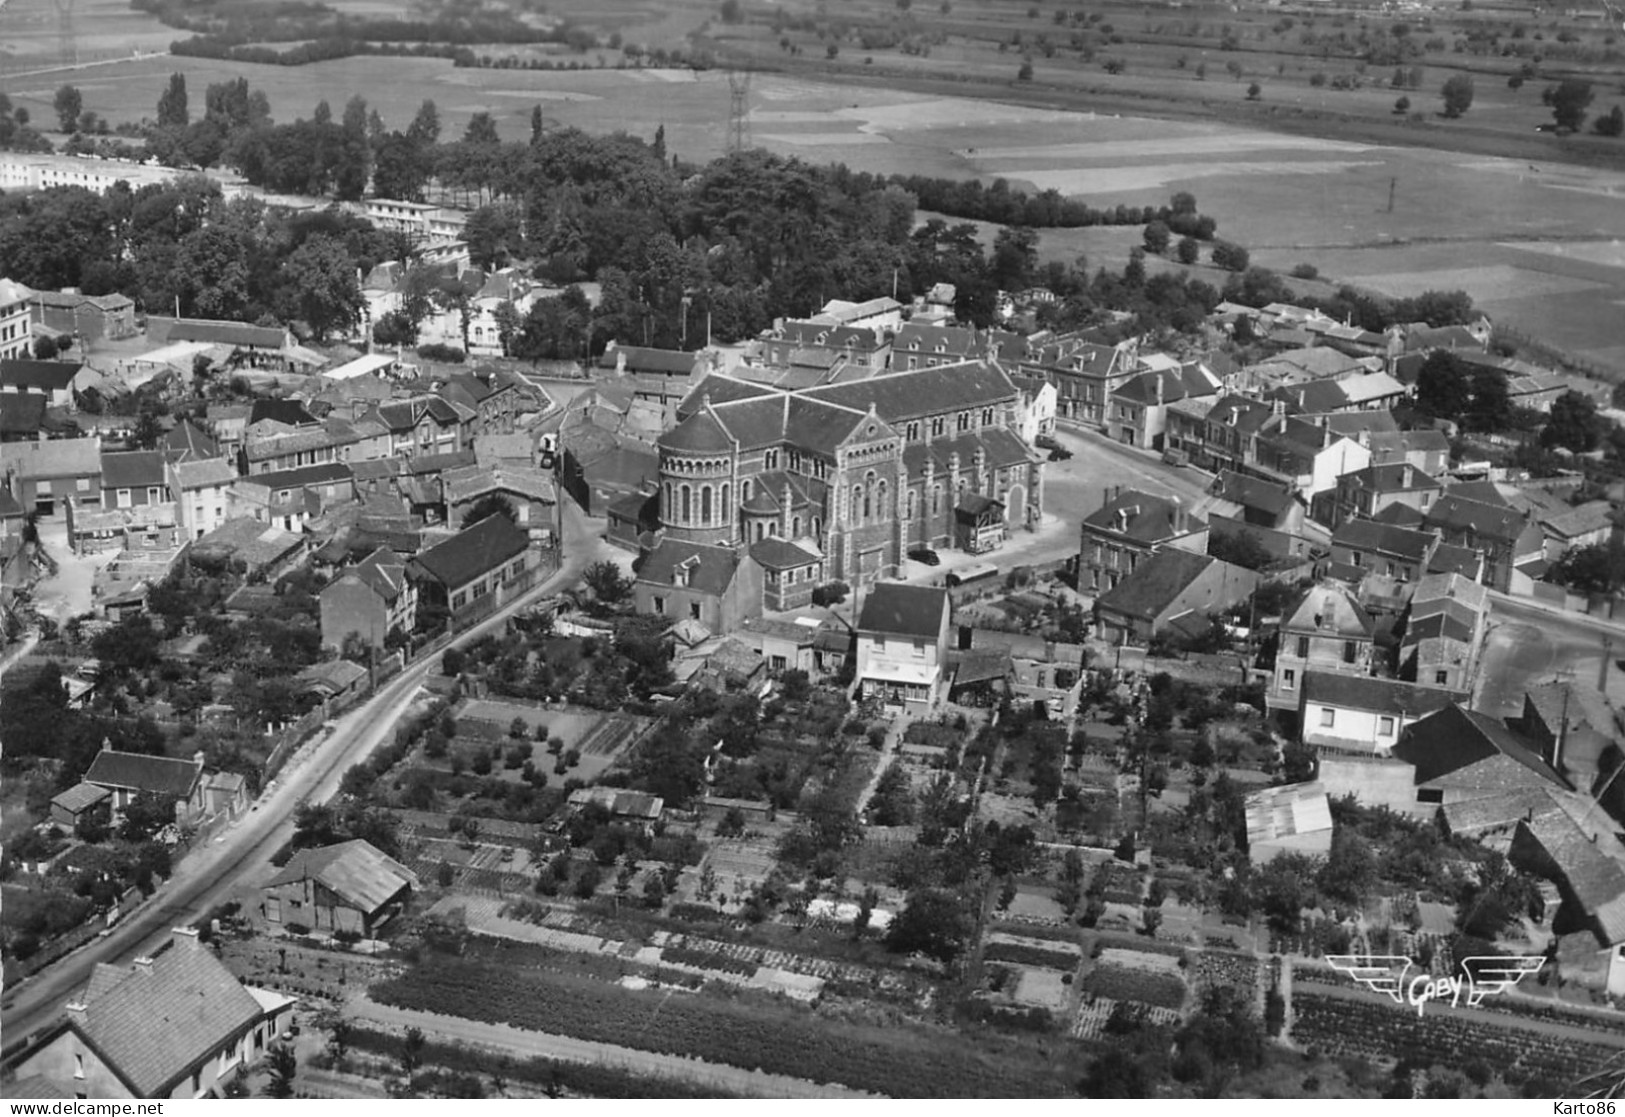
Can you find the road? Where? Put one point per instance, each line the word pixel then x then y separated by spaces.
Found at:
pixel 528 1044
pixel 210 874
pixel 1528 644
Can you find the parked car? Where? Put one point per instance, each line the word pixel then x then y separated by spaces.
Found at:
pixel 1046 442
pixel 1176 457
pixel 925 555
pixel 1059 454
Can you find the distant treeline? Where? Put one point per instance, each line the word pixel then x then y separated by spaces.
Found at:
pixel 294 22
pixel 234 49
pixel 1001 205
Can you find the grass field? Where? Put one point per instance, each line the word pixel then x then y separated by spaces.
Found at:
pixel 1535 242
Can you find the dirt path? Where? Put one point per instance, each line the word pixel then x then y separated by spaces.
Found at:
pixel 526 1044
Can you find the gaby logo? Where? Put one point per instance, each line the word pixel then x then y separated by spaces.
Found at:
pixel 1480 976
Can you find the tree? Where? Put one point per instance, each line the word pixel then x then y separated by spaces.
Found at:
pixel 1569 100
pixel 1595 569
pixel 172 107
pixel 1402 106
pixel 1351 868
pixel 1188 250
pixel 1441 386
pixel 68 103
pixel 491 504
pixel 933 922
pixel 283 1065
pixel 146 814
pixel 1231 257
pixel 1613 124
pixel 327 294
pixel 1491 409
pixel 1458 95
pixel 1157 237
pixel 608 584
pixel 482 131
pixel 1254 91
pixel 1025 73
pixel 425 127
pixel 1117 1073
pixel 1241 548
pixel 44 347
pixel 731 12
pixel 1573 424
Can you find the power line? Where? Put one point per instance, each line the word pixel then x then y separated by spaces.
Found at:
pixel 67 36
pixel 738 110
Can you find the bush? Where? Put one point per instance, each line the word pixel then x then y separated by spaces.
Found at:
pixel 831 593
pixel 448 353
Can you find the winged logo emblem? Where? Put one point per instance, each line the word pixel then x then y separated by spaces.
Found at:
pixel 1381 973
pixel 1478 976
pixel 1487 975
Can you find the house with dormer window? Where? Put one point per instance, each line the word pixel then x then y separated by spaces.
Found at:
pixel 1326 631
pixel 718 586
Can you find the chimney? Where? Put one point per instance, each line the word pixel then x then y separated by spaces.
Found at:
pixel 185 938
pixel 1159 389
pixel 1181 517
pixel 76 1011
pixel 143 965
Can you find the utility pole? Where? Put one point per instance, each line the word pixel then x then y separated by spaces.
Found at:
pixel 1392 183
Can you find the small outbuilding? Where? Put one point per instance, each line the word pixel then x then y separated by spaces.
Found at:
pixel 1296 818
pixel 352 887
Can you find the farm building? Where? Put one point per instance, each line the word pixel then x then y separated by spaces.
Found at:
pixel 349 887
pixel 1292 819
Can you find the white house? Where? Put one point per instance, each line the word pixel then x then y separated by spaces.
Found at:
pixel 1360 715
pixel 15 333
pixel 903 644
pixel 200 492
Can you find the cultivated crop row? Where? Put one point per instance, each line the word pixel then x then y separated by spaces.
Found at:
pixel 1025 955
pixel 1123 984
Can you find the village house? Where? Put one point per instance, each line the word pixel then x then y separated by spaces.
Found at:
pixel 1458 755
pixel 717 586
pixel 255 346
pixel 1507 537
pixel 372 599
pixel 90 317
pixel 1037 670
pixel 927 346
pixel 291 498
pixel 425 424
pixel 1170 584
pixel 1271 512
pixel 16 335
pixel 48 475
pixel 664 376
pixel 201 489
pixel 1368 550
pixel 902 648
pixel 268 550
pixel 475 571
pixel 176 1024
pixel 1443 632
pixel 1218 435
pixel 22 417
pixel 492 396
pixel 883 315
pixel 790 570
pixel 1585 525
pixel 1326 631
pixel 128 774
pixel 1085 374
pixel 1573 726
pixel 1424 450
pixel 60 382
pixel 830 350
pixel 1138 414
pixel 1367 492
pixel 1126 530
pixel 350 888
pixel 1360 715
pixel 529 493
pixel 784 645
pixel 135 478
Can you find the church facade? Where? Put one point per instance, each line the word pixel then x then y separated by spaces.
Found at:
pixel 853 475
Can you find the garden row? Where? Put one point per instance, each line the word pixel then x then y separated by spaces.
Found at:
pixel 1121 983
pixel 1371 1030
pixel 899 1062
pixel 1025 955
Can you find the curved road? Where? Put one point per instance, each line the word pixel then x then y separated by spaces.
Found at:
pixel 210 874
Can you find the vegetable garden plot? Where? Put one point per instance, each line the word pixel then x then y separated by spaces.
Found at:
pixel 1121 983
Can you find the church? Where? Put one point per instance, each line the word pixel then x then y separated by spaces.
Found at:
pixel 839 482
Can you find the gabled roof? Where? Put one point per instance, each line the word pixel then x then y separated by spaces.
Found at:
pixel 160 1019
pixel 1591 516
pixel 1184 382
pixel 1393 477
pixel 140 772
pixel 897 609
pixel 472 552
pixel 1141 516
pixel 204 472
pixel 640 359
pixel 383 571
pixel 1240 413
pixel 1391 445
pixel 405 415
pixel 38 376
pixel 1378 696
pixel 56 457
pixel 1283 812
pixel 1254 492
pixel 1329 609
pixel 1384 539
pixel 186 439
pixel 1584 845
pixel 700 433
pixel 1155 584
pixel 919 392
pixel 1457 514
pixel 22 413
pixel 1583 705
pixel 781 554
pixel 289 411
pixel 323 473
pixel 710 569
pixel 1472 751
pixel 358 872
pixel 227 333
pixel 133 469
